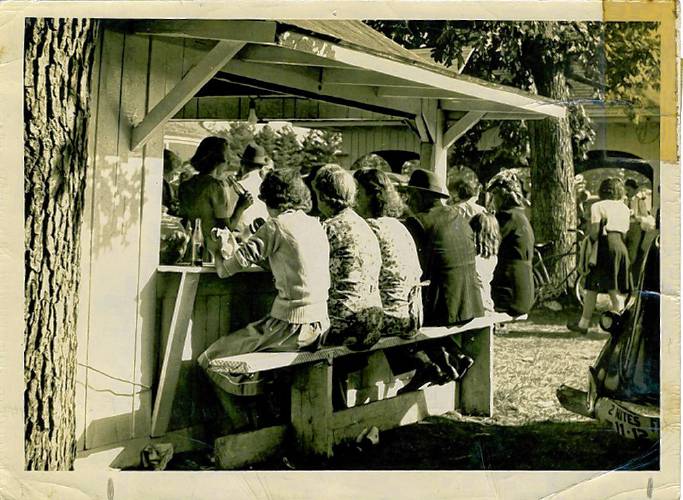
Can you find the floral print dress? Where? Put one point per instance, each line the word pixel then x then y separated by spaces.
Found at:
pixel 399 278
pixel 355 263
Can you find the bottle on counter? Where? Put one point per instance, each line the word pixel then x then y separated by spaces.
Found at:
pixel 197 242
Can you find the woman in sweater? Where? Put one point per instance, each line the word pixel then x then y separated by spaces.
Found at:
pixel 294 246
pixel 512 287
pixel 355 305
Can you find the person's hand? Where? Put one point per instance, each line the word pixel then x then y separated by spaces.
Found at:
pixel 244 201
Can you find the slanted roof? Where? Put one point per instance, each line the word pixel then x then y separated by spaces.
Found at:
pixel 339 62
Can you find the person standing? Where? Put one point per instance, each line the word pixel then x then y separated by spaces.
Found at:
pixel 512 287
pixel 640 211
pixel 249 178
pixel 465 187
pixel 205 195
pixel 611 274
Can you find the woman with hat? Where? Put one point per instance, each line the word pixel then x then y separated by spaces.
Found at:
pixel 205 196
pixel 512 287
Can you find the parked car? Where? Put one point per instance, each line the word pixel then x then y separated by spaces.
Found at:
pixel 624 380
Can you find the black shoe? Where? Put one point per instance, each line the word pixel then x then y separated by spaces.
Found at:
pixel 464 364
pixel 448 365
pixel 427 374
pixel 574 327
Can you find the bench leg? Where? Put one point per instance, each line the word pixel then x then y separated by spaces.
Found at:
pixel 311 412
pixel 476 389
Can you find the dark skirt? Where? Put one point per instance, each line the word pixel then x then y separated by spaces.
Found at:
pixel 613 271
pixel 512 287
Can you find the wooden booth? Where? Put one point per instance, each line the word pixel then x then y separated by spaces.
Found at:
pixel 142 326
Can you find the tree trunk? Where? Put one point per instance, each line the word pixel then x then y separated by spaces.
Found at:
pixel 552 177
pixel 58 62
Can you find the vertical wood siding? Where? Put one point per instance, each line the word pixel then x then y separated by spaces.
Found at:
pixel 117 310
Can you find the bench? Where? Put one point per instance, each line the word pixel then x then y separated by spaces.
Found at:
pixel 316 428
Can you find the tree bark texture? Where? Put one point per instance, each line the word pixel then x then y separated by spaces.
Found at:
pixel 58 61
pixel 552 177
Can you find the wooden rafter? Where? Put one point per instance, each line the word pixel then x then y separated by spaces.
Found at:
pixel 306 81
pixel 466 86
pixel 186 88
pixel 461 127
pixel 279 55
pixel 208 29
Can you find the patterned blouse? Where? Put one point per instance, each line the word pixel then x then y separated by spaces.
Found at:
pixel 401 272
pixel 355 263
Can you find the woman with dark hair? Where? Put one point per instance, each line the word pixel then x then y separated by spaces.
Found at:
pixel 355 305
pixel 512 287
pixel 611 274
pixel 464 187
pixel 486 241
pixel 294 246
pixel 205 196
pixel 379 203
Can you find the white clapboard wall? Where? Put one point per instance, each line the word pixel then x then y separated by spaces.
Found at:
pixel 358 142
pixel 117 355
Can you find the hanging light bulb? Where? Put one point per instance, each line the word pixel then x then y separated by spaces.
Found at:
pixel 252 119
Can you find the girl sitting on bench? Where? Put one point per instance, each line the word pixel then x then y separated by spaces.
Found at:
pixel 294 246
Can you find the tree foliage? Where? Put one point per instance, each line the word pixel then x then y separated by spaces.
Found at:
pixel 320 147
pixel 620 61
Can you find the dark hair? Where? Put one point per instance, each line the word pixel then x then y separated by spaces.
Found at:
pixel 611 188
pixel 210 153
pixel 171 161
pixel 631 183
pixel 486 234
pixel 384 198
pixel 465 184
pixel 284 189
pixel 336 186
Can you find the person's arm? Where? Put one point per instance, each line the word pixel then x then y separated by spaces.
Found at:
pixel 596 221
pixel 244 201
pixel 254 250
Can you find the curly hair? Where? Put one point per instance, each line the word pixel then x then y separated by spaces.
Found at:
pixel 510 187
pixel 486 234
pixel 465 184
pixel 336 186
pixel 384 198
pixel 285 189
pixel 611 188
pixel 210 153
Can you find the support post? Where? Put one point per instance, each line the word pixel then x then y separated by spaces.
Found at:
pixel 476 389
pixel 170 368
pixel 311 409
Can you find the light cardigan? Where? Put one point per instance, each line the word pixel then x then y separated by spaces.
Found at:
pixel 296 249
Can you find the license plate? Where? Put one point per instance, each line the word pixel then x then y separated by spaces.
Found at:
pixel 625 422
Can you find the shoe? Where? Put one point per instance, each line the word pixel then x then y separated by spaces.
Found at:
pixel 448 365
pixel 427 374
pixel 464 364
pixel 574 327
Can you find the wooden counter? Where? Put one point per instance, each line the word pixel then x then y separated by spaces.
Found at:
pixel 194 308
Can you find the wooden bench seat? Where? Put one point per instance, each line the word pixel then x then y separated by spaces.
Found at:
pixel 314 424
pixel 264 361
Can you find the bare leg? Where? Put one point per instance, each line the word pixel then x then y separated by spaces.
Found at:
pixel 589 300
pixel 616 299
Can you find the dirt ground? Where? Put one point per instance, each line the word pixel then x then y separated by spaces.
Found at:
pixel 529 429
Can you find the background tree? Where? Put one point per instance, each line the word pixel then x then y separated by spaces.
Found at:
pixel 58 62
pixel 539 57
pixel 267 137
pixel 287 152
pixel 320 147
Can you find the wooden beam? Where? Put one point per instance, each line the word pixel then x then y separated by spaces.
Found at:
pixel 170 367
pixel 476 388
pixel 280 55
pixel 238 450
pixel 311 409
pixel 461 127
pixel 208 29
pixel 306 82
pixel 424 92
pixel 437 78
pixel 184 91
pixel 363 77
pixel 421 128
